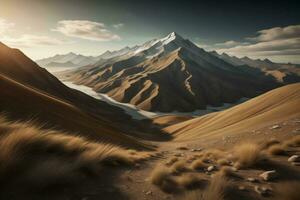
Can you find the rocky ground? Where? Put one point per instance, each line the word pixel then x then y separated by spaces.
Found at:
pixel 262 179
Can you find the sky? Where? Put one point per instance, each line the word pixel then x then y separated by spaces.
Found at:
pixel 257 29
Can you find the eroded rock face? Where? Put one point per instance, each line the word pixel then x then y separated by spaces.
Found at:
pixel 269 175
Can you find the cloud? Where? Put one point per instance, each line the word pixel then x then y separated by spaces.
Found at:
pixel 118 26
pixel 278 41
pixel 5 25
pixel 277 33
pixel 24 40
pixel 231 43
pixel 85 30
pixel 28 40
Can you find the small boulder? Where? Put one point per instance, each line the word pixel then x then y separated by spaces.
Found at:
pixel 269 175
pixel 294 158
pixel 211 168
pixel 263 191
pixel 250 179
pixel 275 127
pixel 149 192
pixel 242 188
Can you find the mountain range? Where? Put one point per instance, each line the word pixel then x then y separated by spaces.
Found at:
pixel 282 72
pixel 174 74
pixel 67 60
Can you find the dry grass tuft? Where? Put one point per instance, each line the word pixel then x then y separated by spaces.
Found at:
pixel 215 191
pixel 293 142
pixel 161 177
pixel 270 143
pixel 171 161
pixel 36 159
pixel 277 150
pixel 189 181
pixel 217 188
pixel 229 172
pixel 199 165
pixel 159 174
pixel 213 154
pixel 179 166
pixel 223 162
pixel 247 155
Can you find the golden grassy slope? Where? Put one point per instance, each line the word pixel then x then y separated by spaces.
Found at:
pixel 276 105
pixel 168 120
pixel 37 163
pixel 25 102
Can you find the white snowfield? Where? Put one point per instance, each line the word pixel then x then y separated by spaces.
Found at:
pixel 139 114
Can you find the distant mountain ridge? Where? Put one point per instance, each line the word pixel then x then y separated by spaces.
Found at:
pixel 58 64
pixel 67 59
pixel 173 74
pixel 282 72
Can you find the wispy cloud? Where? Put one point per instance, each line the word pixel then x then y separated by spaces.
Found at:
pixel 277 33
pixel 5 25
pixel 85 29
pixel 24 40
pixel 269 42
pixel 118 26
pixel 28 40
pixel 231 43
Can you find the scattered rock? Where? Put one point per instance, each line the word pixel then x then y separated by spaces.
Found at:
pixel 149 192
pixel 179 154
pixel 269 175
pixel 275 127
pixel 294 158
pixel 234 169
pixel 211 168
pixel 252 179
pixel 263 191
pixel 182 148
pixel 196 150
pixel 242 188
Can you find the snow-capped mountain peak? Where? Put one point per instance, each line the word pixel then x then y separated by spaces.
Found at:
pixel 171 37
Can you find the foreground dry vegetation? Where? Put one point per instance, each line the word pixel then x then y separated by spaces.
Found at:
pixel 45 164
pixel 37 162
pixel 247 171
